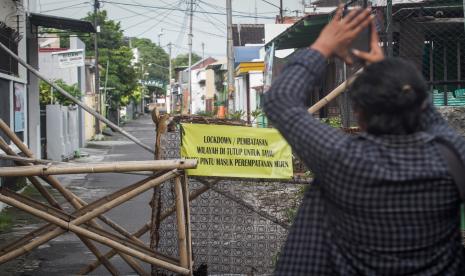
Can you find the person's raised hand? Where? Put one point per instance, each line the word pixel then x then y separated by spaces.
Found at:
pixel 336 37
pixel 376 53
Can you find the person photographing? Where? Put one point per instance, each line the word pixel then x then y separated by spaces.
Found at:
pixel 384 201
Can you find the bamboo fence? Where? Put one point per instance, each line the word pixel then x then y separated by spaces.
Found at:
pixel 82 220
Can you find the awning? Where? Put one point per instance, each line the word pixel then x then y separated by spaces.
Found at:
pixel 302 34
pixel 61 23
pixel 246 67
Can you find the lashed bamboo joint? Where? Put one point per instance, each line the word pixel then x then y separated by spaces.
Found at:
pixel 114 167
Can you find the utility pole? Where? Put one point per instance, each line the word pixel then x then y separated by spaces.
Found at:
pixel 256 13
pixel 169 81
pixel 191 15
pixel 281 18
pixel 389 28
pixel 97 73
pixel 159 38
pixel 230 54
pixel 203 53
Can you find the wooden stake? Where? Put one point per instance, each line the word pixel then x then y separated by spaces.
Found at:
pixel 71 226
pixel 181 223
pixel 43 170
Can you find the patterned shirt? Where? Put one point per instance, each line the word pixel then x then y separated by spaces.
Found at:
pixel 380 205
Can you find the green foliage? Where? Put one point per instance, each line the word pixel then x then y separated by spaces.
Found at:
pixel 183 60
pixel 206 113
pixel 333 121
pixel 236 115
pixel 153 60
pixel 121 75
pixel 5 220
pixel 110 37
pixel 45 93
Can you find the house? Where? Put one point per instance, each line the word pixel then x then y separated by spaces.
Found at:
pixel 19 102
pixel 428 33
pixel 248 83
pixel 197 103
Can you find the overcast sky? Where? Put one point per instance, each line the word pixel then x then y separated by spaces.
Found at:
pixel 147 18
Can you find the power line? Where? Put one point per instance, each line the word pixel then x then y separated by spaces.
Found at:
pixel 68 7
pixel 172 22
pixel 179 10
pixel 271 4
pixel 212 17
pixel 144 15
pixel 220 8
pixel 156 24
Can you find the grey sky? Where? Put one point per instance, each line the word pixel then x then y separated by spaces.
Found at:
pixel 140 20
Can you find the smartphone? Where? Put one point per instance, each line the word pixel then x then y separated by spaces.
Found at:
pixel 362 42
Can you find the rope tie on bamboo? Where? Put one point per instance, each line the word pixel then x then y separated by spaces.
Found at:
pixel 45 168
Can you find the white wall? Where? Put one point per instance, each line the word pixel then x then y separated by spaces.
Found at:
pixel 9 10
pixel 198 105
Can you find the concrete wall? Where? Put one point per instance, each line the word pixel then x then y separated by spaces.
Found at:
pixel 455 116
pixel 198 91
pixel 89 121
pixel 62 132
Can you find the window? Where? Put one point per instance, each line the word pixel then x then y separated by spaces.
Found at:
pixel 9 38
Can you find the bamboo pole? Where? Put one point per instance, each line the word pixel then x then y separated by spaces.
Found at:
pixel 76 101
pixel 185 193
pixel 51 200
pixel 71 226
pixel 333 94
pixel 44 170
pixel 75 201
pixel 181 223
pixel 49 227
pixel 88 216
pixel 27 160
pixel 69 196
pixel 91 267
pixel 66 217
pixel 44 192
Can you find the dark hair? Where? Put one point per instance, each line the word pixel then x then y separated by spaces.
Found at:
pixel 389 96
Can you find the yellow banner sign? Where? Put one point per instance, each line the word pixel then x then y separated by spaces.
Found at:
pixel 236 151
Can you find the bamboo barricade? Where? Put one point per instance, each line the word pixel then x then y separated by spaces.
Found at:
pixel 73 99
pixel 81 221
pixel 69 196
pixel 71 226
pixel 75 201
pixel 146 227
pixel 127 166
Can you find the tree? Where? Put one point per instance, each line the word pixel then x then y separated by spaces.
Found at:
pixel 183 60
pixel 122 78
pixel 110 37
pixel 45 93
pixel 153 60
pixel 121 75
